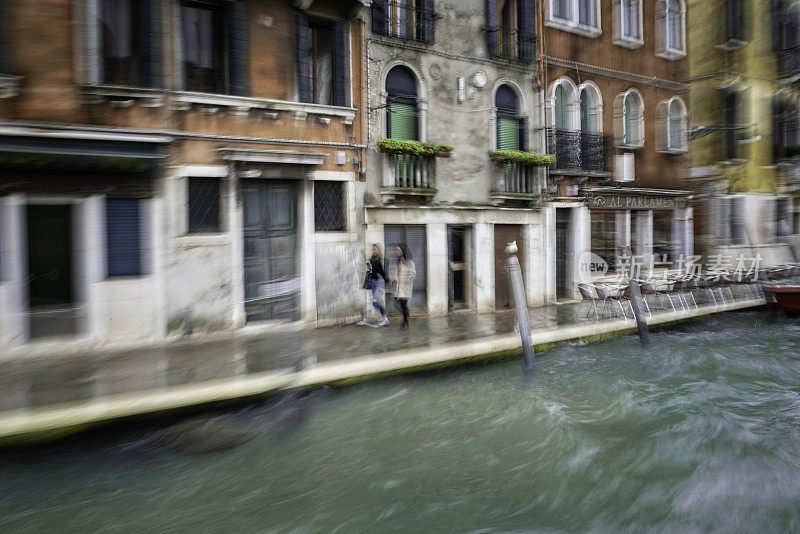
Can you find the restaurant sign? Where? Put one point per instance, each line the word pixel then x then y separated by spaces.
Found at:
pixel 636 202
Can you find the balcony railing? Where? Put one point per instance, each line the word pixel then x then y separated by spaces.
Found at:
pixel 408 174
pixel 515 180
pixel 511 44
pixel 581 152
pixel 789 62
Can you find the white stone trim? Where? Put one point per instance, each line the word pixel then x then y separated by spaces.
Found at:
pixel 243 104
pixel 118 94
pixel 332 176
pixel 207 171
pixel 271 156
pixel 23 131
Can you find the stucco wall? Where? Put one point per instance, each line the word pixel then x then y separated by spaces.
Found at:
pixel 459 50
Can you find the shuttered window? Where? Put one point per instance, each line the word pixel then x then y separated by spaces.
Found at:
pixel 402 121
pixel 124 237
pixel 129 41
pixel 215 47
pixel 408 19
pixel 508 134
pixel 322 61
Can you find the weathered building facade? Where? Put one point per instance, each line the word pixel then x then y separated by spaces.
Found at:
pixel 178 164
pixel 458 73
pixel 743 72
pixel 616 120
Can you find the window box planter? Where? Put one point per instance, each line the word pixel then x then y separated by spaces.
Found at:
pixel 415 148
pixel 523 158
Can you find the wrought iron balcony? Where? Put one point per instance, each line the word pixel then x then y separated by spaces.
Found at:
pixel 408 175
pixel 511 44
pixel 789 62
pixel 579 152
pixel 515 181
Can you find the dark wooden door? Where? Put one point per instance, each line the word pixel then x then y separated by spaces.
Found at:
pixel 50 255
pixel 503 235
pixel 271 282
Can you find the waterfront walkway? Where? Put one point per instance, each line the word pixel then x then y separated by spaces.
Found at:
pixel 46 395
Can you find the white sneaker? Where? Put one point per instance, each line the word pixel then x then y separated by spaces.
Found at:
pixel 384 322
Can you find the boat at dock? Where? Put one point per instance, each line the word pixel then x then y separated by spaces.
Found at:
pixel 784 296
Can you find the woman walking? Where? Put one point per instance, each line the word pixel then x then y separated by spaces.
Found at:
pixel 406 272
pixel 378 277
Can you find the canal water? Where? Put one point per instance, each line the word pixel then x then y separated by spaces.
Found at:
pixel 699 434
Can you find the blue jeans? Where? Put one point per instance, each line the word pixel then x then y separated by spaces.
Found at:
pixel 377 285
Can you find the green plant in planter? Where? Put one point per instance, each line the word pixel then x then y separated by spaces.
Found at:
pixel 417 148
pixel 524 158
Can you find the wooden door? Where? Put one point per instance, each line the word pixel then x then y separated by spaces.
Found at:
pixel 271 280
pixel 503 235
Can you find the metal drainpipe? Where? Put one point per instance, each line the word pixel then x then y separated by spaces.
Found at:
pixel 365 99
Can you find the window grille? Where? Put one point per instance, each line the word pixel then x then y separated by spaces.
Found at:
pixel 329 206
pixel 204 205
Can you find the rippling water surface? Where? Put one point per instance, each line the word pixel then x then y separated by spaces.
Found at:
pixel 699 434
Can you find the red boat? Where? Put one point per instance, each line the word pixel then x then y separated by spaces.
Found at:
pixel 786 297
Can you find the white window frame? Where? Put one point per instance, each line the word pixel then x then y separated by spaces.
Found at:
pixel 597 107
pixel 574 104
pixel 571 24
pixel 620 122
pixel 620 39
pixel 664 125
pixel 662 31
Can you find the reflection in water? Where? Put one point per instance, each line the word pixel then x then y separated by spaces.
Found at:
pixel 701 433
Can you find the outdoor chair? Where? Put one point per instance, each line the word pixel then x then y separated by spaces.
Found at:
pixel 588 298
pixel 615 300
pixel 683 289
pixel 649 288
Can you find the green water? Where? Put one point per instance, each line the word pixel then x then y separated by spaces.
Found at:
pixel 701 434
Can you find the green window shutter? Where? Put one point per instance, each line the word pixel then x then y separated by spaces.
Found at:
pixel 508 134
pixel 148 39
pixel 341 72
pixel 402 121
pixel 238 49
pixel 303 52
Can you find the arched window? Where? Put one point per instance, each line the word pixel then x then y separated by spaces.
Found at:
pixel 629 119
pixel 511 131
pixel 401 100
pixel 676 125
pixel 563 101
pixel 591 109
pixel 670 29
pixel 561 109
pixel 671 117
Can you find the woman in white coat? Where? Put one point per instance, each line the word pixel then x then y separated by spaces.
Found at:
pixel 406 272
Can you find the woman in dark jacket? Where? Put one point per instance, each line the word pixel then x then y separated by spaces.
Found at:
pixel 378 277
